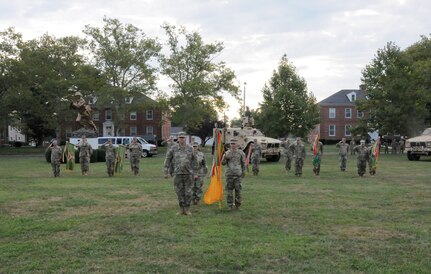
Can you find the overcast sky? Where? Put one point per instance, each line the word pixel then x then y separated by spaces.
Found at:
pixel 328 41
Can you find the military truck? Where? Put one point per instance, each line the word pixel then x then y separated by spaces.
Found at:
pixel 419 146
pixel 246 134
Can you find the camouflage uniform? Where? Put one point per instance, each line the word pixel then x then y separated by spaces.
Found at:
pixel 200 170
pixel 299 155
pixel 183 159
pixel 352 147
pixel 317 159
pixel 287 155
pixel 256 154
pixel 110 158
pixel 362 151
pixel 343 151
pixel 85 152
pixel 135 154
pixel 235 161
pixel 56 155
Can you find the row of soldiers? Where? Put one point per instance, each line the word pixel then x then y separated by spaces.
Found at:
pixel 297 152
pixel 85 152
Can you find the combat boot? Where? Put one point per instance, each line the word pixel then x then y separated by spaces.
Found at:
pixel 181 212
pixel 187 211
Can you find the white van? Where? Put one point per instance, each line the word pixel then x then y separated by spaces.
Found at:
pixel 148 149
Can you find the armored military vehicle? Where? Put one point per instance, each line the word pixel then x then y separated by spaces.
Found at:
pixel 246 134
pixel 419 146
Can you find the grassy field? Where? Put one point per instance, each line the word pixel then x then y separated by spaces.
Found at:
pixel 335 223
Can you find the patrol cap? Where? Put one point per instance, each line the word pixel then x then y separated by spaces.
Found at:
pixel 195 144
pixel 362 142
pixel 233 141
pixel 78 94
pixel 181 134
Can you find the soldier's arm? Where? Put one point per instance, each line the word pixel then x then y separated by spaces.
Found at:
pixel 243 167
pixel 226 158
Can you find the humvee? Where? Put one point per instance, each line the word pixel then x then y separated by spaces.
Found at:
pixel 246 134
pixel 419 146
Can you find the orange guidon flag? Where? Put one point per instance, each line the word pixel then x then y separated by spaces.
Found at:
pixel 215 188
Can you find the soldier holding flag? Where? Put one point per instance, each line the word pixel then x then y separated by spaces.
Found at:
pixel 317 149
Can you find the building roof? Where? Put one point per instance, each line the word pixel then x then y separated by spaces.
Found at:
pixel 343 97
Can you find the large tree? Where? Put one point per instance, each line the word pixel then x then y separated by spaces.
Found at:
pixel 398 89
pixel 196 77
pixel 287 107
pixel 125 56
pixel 40 75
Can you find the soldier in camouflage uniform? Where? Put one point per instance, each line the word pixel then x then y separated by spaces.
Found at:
pixel 352 146
pixel 362 151
pixel 256 154
pixel 135 153
pixel 200 171
pixel 56 158
pixel 110 157
pixel 317 159
pixel 298 151
pixel 343 151
pixel 287 155
pixel 183 160
pixel 234 158
pixel 85 152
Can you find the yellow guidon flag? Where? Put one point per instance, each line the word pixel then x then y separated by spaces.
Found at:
pixel 215 189
pixel 69 150
pixel 119 159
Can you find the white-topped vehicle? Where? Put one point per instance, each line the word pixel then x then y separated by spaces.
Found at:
pixel 419 146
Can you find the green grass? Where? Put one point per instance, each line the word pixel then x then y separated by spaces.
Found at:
pixel 335 223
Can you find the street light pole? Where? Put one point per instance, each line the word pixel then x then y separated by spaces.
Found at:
pixel 245 83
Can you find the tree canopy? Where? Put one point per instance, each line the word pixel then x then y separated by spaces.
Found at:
pixel 287 108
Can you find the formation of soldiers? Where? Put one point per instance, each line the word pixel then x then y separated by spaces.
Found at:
pixel 187 164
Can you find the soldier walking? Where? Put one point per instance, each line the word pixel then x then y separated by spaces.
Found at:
pixel 85 152
pixel 56 157
pixel 352 146
pixel 343 151
pixel 183 159
pixel 234 158
pixel 135 150
pixel 362 151
pixel 299 154
pixel 287 155
pixel 200 171
pixel 256 154
pixel 110 157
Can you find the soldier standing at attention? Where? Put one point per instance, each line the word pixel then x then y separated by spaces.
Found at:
pixel 317 157
pixel 343 151
pixel 234 158
pixel 110 157
pixel 298 151
pixel 85 152
pixel 200 171
pixel 183 160
pixel 362 151
pixel 352 146
pixel 256 154
pixel 135 150
pixel 56 157
pixel 288 155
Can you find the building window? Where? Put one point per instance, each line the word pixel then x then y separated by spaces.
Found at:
pixel 150 130
pixel 133 131
pixel 331 130
pixel 360 114
pixel 149 115
pixel 133 115
pixel 68 132
pixel 348 113
pixel 347 130
pixel 332 113
pixel 108 115
pixel 353 97
pixel 96 115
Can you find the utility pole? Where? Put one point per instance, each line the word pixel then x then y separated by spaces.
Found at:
pixel 245 83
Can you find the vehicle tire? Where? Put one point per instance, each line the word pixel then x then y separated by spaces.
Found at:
pixel 145 154
pixel 417 157
pixel 410 156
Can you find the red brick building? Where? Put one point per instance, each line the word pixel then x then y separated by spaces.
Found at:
pixel 338 114
pixel 151 124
